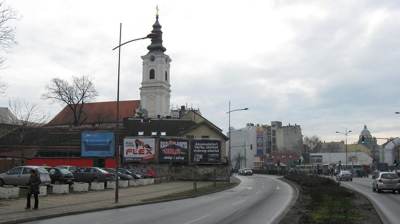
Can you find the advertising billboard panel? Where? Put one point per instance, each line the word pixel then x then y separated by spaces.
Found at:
pixel 97 144
pixel 174 150
pixel 206 151
pixel 139 149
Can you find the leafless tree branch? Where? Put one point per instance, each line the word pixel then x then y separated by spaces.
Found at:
pixel 74 95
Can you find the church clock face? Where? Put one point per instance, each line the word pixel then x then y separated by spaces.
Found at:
pixel 152 58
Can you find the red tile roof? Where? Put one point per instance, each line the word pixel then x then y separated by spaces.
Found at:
pixel 97 113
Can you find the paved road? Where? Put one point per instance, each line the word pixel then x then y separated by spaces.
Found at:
pixel 258 199
pixel 387 203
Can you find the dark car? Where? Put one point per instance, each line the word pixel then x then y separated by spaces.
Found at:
pixel 60 175
pixel 121 175
pixel 126 171
pixel 92 174
pixel 344 175
pixel 138 172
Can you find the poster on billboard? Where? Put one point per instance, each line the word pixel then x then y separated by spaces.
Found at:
pixel 206 151
pixel 97 144
pixel 139 149
pixel 174 150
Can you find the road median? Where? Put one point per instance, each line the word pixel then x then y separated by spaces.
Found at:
pixel 322 200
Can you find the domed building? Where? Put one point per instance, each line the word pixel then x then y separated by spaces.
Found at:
pixel 366 138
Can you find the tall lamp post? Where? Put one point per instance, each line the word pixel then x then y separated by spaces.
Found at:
pixel 345 133
pixel 117 151
pixel 229 131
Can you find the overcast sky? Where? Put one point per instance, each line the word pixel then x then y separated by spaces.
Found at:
pixel 326 65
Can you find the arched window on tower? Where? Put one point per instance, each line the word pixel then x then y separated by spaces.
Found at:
pixel 166 76
pixel 152 74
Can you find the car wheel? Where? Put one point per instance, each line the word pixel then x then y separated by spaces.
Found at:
pixel 373 189
pixel 379 190
pixel 1 182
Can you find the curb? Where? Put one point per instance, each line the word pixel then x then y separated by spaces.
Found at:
pixel 292 202
pixel 31 219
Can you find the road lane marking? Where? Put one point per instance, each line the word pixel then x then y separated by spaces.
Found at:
pixel 238 202
pixel 198 219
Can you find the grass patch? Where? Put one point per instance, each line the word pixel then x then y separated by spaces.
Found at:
pixel 191 193
pixel 328 202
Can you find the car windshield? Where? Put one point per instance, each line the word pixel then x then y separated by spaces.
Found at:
pixel 103 171
pixel 65 171
pixel 389 176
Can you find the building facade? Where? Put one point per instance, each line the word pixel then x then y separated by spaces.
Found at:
pixel 255 145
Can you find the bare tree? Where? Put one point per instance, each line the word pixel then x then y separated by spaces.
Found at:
pixel 25 115
pixel 74 95
pixel 7 37
pixel 313 143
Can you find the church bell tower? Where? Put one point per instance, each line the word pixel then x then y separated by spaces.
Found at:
pixel 155 87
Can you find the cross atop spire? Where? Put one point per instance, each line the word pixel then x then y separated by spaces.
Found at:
pixel 157 11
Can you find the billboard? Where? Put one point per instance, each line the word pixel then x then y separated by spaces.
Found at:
pixel 206 151
pixel 139 149
pixel 97 144
pixel 173 150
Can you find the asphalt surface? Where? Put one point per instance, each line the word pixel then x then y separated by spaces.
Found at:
pixel 387 204
pixel 258 199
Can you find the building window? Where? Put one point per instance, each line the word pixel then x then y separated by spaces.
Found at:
pixel 205 136
pixel 152 74
pixel 166 76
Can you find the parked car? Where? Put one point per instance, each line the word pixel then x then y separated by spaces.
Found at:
pixel 92 174
pixel 134 175
pixel 122 176
pixel 20 175
pixel 60 175
pixel 246 172
pixel 344 175
pixel 138 172
pixel 386 181
pixel 72 169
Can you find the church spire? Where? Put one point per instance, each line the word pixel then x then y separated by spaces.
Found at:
pixel 156 40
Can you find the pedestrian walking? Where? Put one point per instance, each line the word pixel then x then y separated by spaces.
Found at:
pixel 33 189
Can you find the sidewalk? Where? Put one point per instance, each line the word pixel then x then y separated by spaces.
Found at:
pixel 12 211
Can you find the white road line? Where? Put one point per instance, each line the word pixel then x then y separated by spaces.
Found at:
pixel 238 202
pixel 198 219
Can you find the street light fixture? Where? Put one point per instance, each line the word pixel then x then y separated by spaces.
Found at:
pixel 229 131
pixel 117 151
pixel 345 133
pixel 397 112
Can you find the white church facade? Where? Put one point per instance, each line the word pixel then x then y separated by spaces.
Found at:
pixel 155 90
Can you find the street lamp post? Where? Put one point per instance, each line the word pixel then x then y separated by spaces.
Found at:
pixel 229 132
pixel 117 151
pixel 345 133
